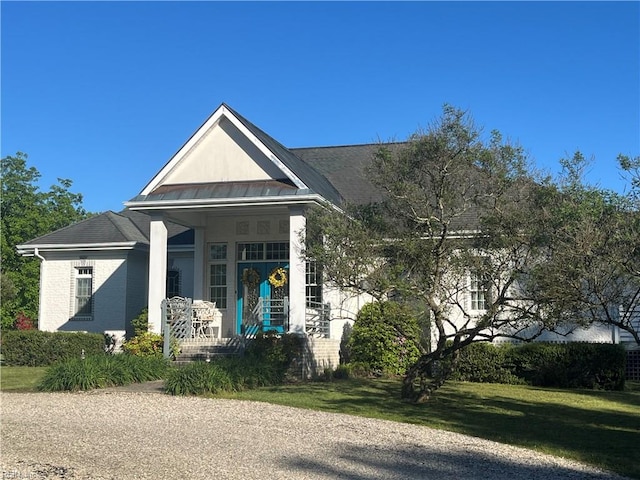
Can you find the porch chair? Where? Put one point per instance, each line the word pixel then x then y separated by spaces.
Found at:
pixel 208 318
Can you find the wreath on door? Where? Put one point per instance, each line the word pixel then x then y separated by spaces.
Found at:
pixel 278 277
pixel 250 278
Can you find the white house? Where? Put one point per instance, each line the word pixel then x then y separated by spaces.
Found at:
pixel 222 221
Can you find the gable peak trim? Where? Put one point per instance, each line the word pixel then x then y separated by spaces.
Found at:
pixel 222 111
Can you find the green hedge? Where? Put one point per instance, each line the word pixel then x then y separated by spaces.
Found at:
pixel 571 365
pixel 486 363
pixel 34 348
pixel 568 365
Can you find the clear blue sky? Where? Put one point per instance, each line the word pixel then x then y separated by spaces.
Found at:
pixel 104 93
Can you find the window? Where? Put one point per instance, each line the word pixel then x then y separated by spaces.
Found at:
pixel 218 274
pixel 263 251
pixel 479 289
pixel 278 251
pixel 313 284
pixel 174 284
pixel 84 292
pixel 251 251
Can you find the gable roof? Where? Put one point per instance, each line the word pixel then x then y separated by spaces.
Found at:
pixel 287 176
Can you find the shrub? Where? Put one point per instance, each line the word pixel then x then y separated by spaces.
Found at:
pixel 101 371
pixel 265 363
pixel 571 365
pixel 385 337
pixel 198 378
pixel 23 322
pixel 274 349
pixel 483 362
pixel 34 348
pixel 140 324
pixel 147 344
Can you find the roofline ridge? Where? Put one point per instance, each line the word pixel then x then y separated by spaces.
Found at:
pixel 115 224
pixel 144 235
pixel 349 145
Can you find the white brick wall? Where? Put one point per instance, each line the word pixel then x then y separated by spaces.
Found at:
pixel 57 287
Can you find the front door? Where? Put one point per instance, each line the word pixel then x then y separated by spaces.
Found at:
pixel 263 290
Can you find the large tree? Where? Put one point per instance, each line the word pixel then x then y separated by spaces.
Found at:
pixel 591 267
pixel 27 213
pixel 460 212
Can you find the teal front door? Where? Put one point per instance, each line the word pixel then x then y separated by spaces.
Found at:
pixel 263 290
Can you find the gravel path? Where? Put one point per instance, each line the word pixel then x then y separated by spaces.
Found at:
pixel 114 434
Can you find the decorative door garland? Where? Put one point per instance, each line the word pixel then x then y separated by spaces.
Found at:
pixel 250 278
pixel 278 277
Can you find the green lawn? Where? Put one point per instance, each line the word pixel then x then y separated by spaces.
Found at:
pixel 595 427
pixel 20 379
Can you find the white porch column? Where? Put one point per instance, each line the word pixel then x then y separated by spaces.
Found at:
pixel 198 264
pixel 297 272
pixel 157 272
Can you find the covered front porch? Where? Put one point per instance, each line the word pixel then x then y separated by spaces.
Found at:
pixel 244 197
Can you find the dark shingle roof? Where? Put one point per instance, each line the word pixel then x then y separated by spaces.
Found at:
pixel 345 167
pixel 108 227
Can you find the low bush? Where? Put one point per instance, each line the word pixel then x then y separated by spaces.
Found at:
pixel 568 365
pixel 34 348
pixel 146 344
pixel 222 375
pixel 101 371
pixel 198 378
pixel 266 362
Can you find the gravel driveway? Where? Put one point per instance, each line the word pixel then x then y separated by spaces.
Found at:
pixel 112 434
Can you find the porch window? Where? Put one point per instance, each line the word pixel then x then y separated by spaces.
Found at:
pixel 479 290
pixel 84 292
pixel 174 283
pixel 218 274
pixel 313 284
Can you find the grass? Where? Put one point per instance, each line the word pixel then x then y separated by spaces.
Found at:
pixel 595 427
pixel 21 379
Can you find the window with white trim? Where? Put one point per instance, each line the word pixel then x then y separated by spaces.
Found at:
pixel 84 292
pixel 218 274
pixel 478 292
pixel 313 284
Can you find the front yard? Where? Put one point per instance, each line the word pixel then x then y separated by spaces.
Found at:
pixel 596 427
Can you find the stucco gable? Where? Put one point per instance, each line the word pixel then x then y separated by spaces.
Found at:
pixel 229 150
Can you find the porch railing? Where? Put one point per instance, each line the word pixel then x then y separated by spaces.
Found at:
pixel 177 318
pixel 317 319
pixel 274 313
pixel 269 312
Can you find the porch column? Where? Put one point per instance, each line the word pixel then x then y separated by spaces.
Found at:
pixel 198 264
pixel 157 272
pixel 297 271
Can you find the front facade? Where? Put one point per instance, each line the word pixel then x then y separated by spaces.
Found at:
pixel 223 221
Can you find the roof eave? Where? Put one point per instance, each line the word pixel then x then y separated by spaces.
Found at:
pixel 28 250
pixel 221 203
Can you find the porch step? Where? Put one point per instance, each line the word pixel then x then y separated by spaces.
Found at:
pixel 200 351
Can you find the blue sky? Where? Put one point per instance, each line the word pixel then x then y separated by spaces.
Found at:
pixel 104 93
